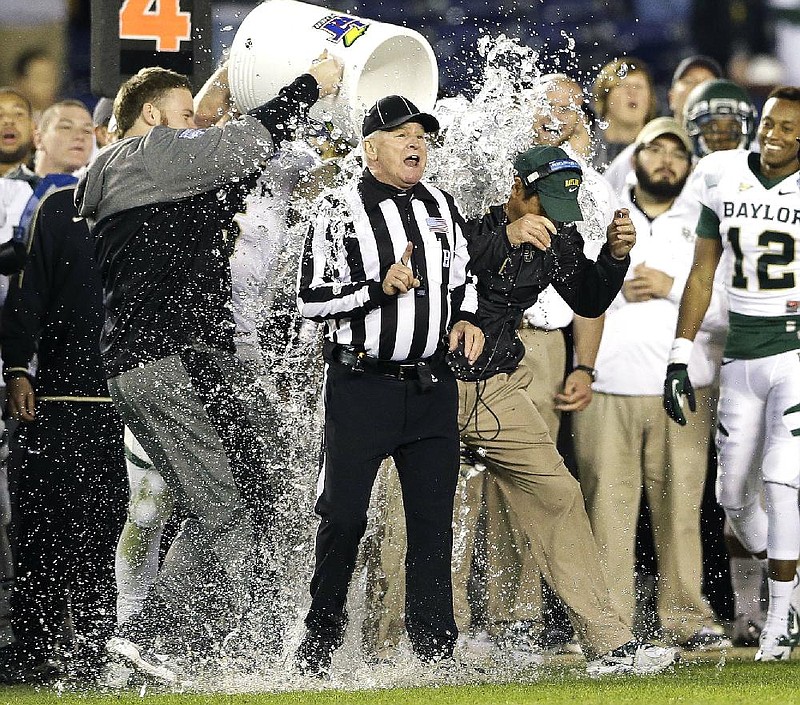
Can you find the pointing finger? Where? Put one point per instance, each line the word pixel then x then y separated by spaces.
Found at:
pixel 405 258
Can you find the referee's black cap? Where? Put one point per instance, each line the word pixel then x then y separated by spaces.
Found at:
pixel 393 111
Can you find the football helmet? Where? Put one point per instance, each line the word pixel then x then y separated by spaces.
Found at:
pixel 718 114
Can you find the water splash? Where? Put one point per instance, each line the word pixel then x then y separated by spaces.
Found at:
pixel 473 160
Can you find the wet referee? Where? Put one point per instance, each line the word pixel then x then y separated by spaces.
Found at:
pixel 385 269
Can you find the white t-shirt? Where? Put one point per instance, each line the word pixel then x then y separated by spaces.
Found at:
pixel 263 236
pixel 14 195
pixel 598 203
pixel 637 337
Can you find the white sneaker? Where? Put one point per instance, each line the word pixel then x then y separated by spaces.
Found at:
pixel 774 647
pixel 778 647
pixel 636 658
pixel 479 646
pixel 129 654
pixel 115 675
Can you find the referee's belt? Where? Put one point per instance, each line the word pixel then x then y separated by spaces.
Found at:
pixel 359 361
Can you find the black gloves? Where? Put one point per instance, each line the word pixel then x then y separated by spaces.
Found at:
pixel 677 386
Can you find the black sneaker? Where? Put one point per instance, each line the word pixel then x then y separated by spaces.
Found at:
pixel 313 656
pixel 746 631
pixel 707 638
pixel 554 640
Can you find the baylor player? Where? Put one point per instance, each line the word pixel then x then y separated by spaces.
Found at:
pixel 751 216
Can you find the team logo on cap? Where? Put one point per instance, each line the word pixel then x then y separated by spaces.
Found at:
pixel 572 185
pixel 342 28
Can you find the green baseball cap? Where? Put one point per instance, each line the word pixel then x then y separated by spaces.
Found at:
pixel 555 177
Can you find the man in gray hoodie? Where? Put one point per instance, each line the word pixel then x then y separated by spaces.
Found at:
pixel 160 203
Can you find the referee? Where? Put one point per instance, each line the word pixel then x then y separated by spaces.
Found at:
pixel 385 269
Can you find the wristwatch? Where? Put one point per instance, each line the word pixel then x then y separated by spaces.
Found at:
pixel 588 370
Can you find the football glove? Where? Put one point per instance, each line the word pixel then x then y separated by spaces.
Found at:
pixel 677 386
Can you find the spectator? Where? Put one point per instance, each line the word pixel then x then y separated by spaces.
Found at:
pixel 37 75
pixel 786 22
pixel 647 451
pixel 63 145
pixel 16 123
pixel 32 24
pixel 66 454
pixel 690 72
pixel 63 139
pixel 14 196
pixel 101 117
pixel 625 99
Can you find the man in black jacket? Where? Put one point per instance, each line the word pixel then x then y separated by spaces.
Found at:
pixel 66 463
pixel 517 250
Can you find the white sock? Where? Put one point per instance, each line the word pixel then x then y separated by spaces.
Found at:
pixel 780 594
pixel 795 600
pixel 135 568
pixel 747 576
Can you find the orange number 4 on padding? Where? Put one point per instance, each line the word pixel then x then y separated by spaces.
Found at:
pixel 161 20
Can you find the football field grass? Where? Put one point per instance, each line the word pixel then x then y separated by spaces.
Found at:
pixel 707 680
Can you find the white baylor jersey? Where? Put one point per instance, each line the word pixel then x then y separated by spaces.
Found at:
pixel 760 232
pixel 264 234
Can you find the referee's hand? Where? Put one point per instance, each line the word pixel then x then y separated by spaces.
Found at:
pixel 400 279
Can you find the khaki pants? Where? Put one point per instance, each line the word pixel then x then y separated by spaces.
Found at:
pixel 623 444
pixel 545 500
pixel 513 590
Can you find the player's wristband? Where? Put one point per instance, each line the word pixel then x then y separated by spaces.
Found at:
pixel 681 351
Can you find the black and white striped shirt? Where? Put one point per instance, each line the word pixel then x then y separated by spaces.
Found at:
pixel 351 244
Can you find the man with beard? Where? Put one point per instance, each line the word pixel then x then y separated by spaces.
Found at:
pixel 16 128
pixel 647 450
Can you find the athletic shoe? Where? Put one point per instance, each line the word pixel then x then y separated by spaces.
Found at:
pixel 518 646
pixel 115 675
pixel 746 632
pixel 774 647
pixel 634 658
pixel 480 646
pixel 555 640
pixel 778 647
pixel 313 656
pixel 142 659
pixel 709 638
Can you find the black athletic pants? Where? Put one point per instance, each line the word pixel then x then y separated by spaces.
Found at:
pixel 369 417
pixel 69 493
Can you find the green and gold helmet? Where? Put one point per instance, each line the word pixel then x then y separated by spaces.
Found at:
pixel 718 114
